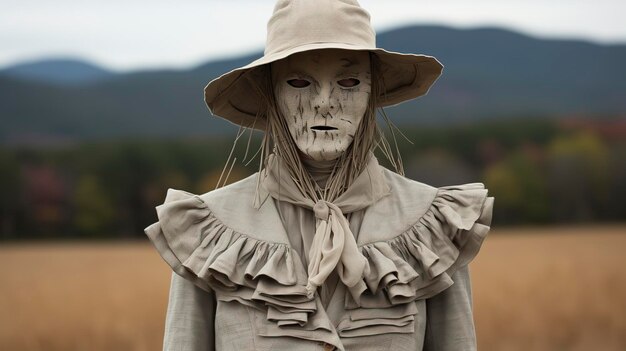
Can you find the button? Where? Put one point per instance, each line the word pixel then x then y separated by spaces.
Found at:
pixel 328 347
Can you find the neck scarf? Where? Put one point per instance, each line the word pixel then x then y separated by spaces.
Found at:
pixel 320 171
pixel 334 245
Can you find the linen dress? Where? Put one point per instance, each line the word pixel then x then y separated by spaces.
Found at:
pixel 417 305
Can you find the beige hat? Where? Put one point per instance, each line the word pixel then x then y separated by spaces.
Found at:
pixel 303 25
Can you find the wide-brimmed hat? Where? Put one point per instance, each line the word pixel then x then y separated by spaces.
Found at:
pixel 304 25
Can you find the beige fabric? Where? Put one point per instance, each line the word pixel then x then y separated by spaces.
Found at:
pixel 417 241
pixel 333 246
pixel 304 25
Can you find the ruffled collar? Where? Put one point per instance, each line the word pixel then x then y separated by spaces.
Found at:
pixel 414 241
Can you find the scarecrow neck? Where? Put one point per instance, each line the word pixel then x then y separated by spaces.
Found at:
pixel 320 170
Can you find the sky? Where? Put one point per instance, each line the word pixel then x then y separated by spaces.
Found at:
pixel 125 35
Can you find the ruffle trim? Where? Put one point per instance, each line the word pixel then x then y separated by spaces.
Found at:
pixel 416 264
pixel 420 262
pixel 199 247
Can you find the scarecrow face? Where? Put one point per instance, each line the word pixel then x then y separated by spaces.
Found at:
pixel 323 95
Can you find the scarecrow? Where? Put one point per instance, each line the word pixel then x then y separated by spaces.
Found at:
pixel 323 248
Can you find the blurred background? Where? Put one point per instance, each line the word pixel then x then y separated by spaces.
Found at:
pixel 101 111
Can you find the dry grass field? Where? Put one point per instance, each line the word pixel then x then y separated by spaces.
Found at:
pixel 551 288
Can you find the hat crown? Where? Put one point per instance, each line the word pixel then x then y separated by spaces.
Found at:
pixel 299 22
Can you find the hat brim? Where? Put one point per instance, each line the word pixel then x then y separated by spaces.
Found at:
pixel 405 77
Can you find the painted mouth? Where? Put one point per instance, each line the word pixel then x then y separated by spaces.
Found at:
pixel 323 128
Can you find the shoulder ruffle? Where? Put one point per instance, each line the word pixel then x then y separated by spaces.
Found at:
pixel 418 263
pixel 199 247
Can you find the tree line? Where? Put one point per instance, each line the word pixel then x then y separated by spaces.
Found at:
pixel 539 170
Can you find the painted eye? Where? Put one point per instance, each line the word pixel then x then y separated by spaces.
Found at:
pixel 298 83
pixel 349 82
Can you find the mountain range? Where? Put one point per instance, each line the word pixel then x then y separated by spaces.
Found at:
pixel 488 73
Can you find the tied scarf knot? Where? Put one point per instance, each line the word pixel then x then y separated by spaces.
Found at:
pixel 321 210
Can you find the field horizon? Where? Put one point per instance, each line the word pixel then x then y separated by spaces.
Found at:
pixel 534 288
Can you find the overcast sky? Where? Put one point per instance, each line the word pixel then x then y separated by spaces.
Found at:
pixel 139 34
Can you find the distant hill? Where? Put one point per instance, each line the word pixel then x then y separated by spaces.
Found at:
pixel 489 72
pixel 495 72
pixel 58 71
